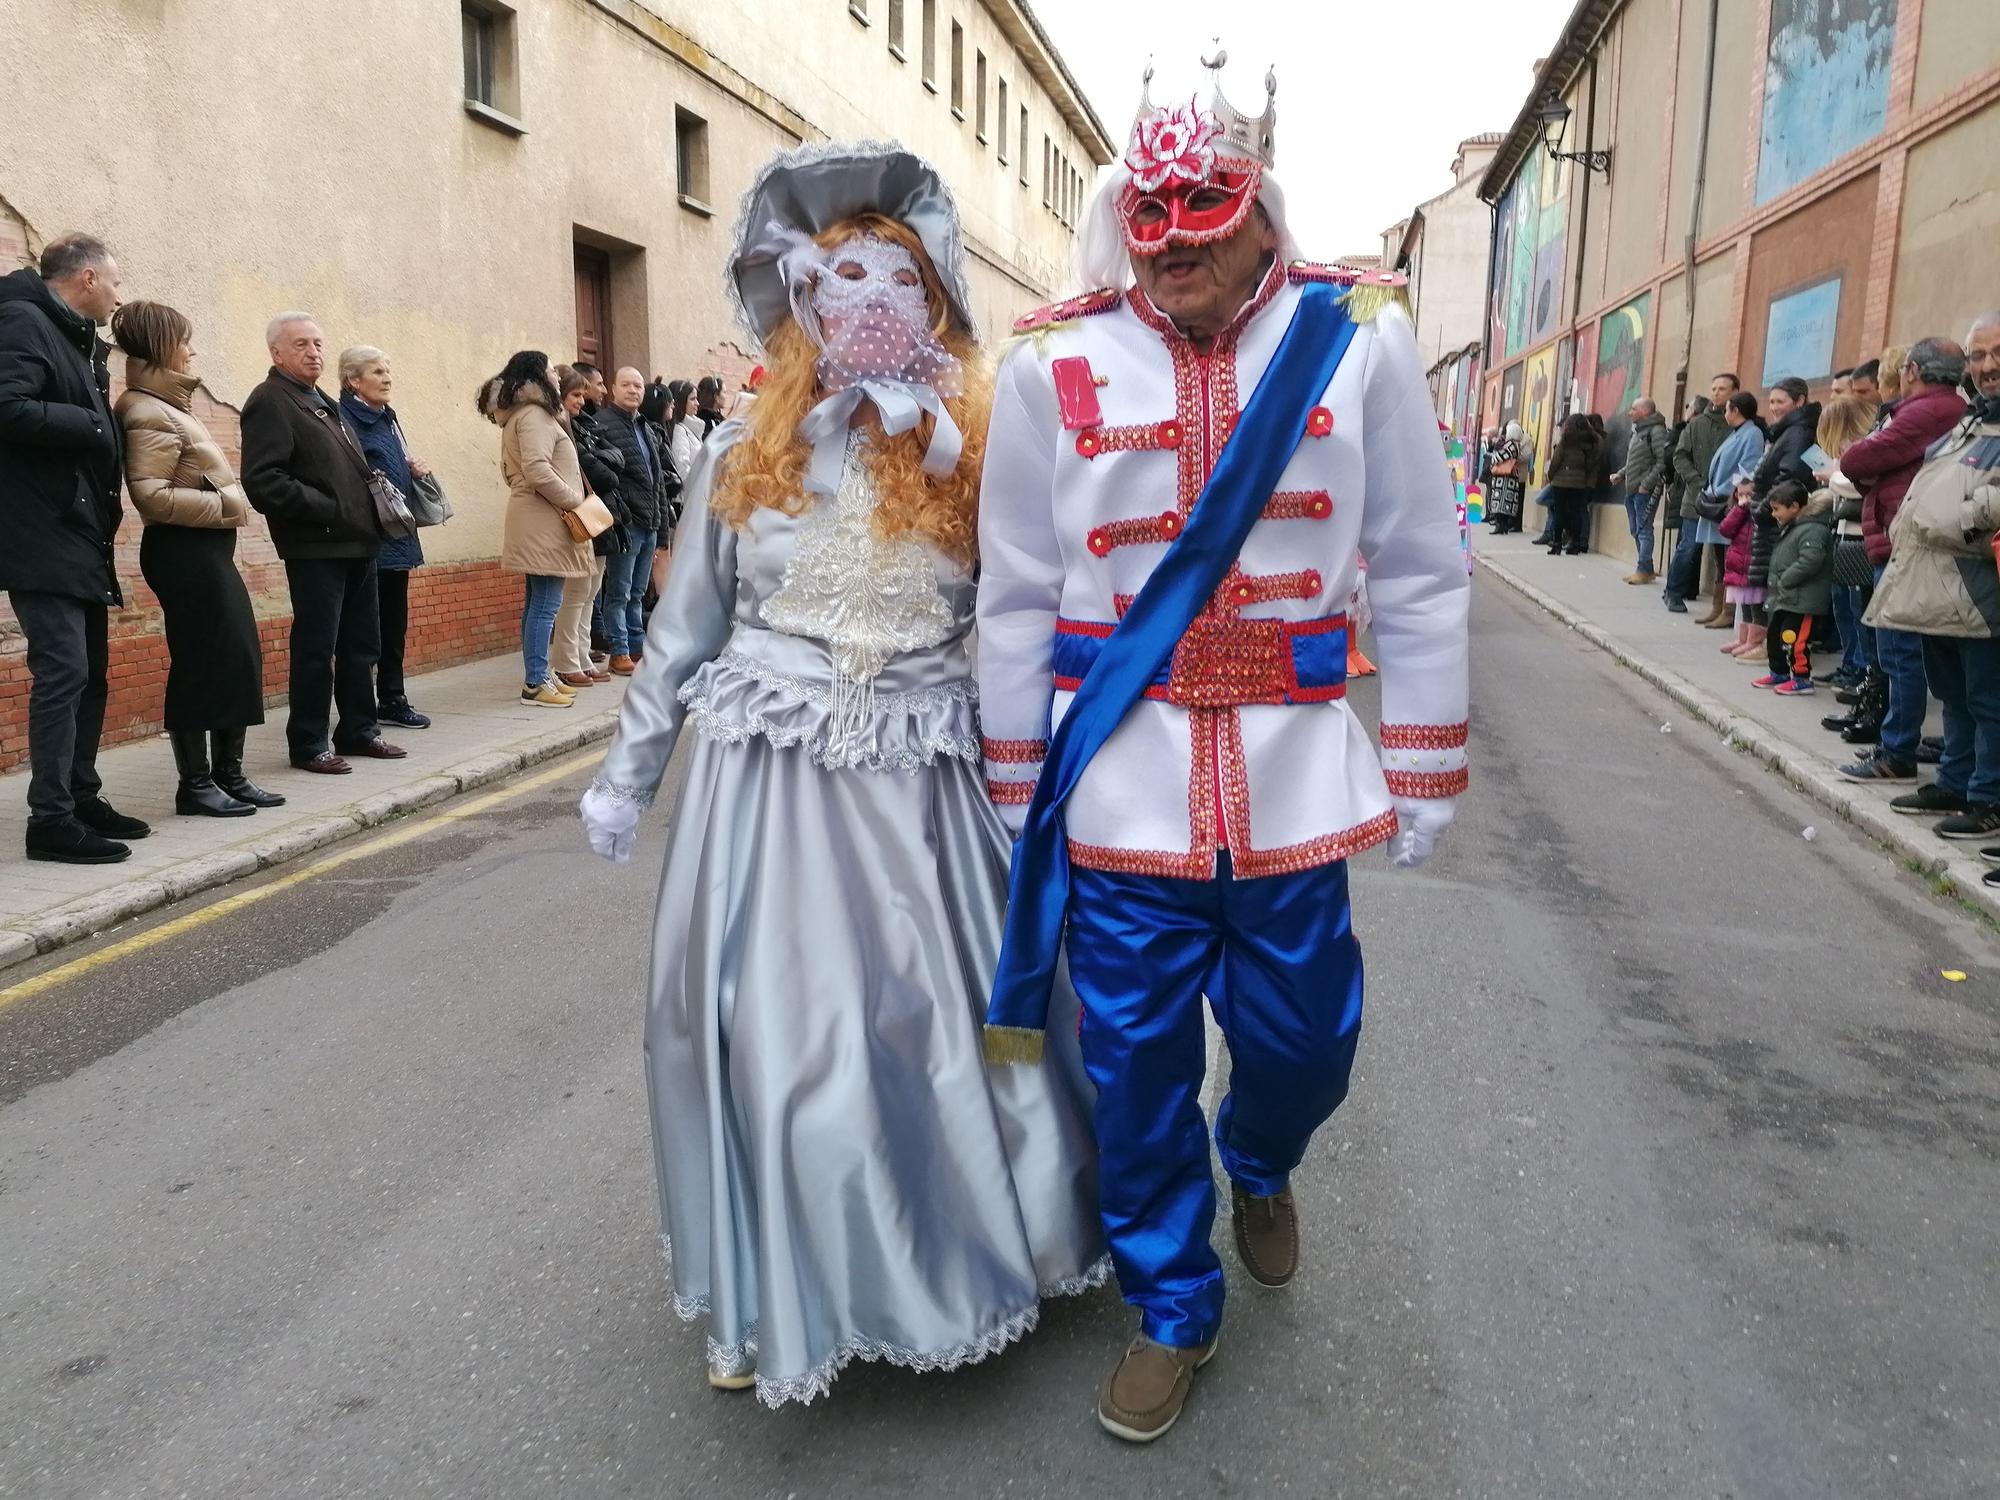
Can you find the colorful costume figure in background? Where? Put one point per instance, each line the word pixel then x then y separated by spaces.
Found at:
pixel 840 1174
pixel 1169 530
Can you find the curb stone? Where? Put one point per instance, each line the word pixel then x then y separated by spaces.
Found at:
pixel 46 931
pixel 1908 838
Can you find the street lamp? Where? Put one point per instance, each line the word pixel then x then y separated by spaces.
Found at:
pixel 1554 115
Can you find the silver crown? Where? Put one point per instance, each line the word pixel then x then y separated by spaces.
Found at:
pixel 1243 137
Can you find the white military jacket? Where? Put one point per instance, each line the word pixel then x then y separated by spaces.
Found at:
pixel 1248 746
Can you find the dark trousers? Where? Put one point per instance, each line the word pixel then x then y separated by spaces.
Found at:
pixel 69 659
pixel 392 591
pixel 1278 961
pixel 1684 571
pixel 1964 673
pixel 1569 513
pixel 1789 658
pixel 336 637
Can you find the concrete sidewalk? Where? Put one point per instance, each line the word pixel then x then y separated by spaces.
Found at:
pixel 1589 594
pixel 480 733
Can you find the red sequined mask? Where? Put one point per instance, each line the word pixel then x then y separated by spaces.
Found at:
pixel 1188 213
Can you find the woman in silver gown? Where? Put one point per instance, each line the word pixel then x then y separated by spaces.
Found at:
pixel 840 1174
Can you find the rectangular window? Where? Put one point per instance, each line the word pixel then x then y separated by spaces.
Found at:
pixel 1048 173
pixel 691 159
pixel 930 45
pixel 478 28
pixel 958 70
pixel 896 28
pixel 1024 145
pixel 492 90
pixel 979 98
pixel 859 10
pixel 1000 114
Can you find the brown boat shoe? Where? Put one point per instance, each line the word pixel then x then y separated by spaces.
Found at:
pixel 1144 1394
pixel 1267 1235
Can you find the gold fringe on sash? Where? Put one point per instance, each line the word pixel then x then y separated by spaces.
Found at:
pixel 1014 1044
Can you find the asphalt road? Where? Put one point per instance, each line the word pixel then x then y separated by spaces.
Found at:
pixel 1670 1170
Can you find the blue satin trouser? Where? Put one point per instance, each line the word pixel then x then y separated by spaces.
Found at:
pixel 1277 958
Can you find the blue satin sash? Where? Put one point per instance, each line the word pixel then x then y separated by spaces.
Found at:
pixel 1245 476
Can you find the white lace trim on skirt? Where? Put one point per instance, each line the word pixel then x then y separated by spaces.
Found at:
pixel 740 1356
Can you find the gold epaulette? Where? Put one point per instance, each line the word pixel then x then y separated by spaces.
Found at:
pixel 1368 292
pixel 1084 306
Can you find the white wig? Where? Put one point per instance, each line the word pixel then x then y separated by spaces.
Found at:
pixel 1101 257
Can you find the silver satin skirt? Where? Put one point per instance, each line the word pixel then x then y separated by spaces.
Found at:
pixel 841 1174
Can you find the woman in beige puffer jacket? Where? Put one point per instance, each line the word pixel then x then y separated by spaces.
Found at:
pixel 538 460
pixel 186 493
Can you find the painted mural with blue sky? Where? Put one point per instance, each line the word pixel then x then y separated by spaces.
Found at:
pixel 1826 86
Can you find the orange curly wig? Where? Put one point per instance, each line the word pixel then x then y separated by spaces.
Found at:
pixel 767 467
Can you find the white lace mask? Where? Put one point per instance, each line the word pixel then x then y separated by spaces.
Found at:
pixel 873 329
pixel 874 320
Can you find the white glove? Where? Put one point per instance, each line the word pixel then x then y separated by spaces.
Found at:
pixel 1421 821
pixel 610 823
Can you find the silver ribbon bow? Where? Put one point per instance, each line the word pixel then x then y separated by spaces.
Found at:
pixel 900 403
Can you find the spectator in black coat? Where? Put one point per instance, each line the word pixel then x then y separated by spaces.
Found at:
pixel 61 459
pixel 1793 421
pixel 305 471
pixel 639 502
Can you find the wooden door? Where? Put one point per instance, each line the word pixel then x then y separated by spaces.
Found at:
pixel 593 306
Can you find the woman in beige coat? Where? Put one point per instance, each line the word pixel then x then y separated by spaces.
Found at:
pixel 192 505
pixel 538 460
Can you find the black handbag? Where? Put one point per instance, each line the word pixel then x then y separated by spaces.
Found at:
pixel 1851 567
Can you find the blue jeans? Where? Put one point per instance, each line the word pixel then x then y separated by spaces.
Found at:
pixel 1857 641
pixel 1965 675
pixel 1684 570
pixel 1901 657
pixel 1277 958
pixel 538 624
pixel 626 575
pixel 1639 517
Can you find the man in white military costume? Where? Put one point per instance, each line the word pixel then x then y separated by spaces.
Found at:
pixel 1182 471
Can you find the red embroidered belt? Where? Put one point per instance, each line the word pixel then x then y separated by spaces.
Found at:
pixel 1227 663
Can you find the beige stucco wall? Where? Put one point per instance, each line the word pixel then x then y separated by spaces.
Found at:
pixel 244 157
pixel 1956 44
pixel 1945 267
pixel 840 74
pixel 1638 140
pixel 1733 132
pixel 1457 241
pixel 1712 349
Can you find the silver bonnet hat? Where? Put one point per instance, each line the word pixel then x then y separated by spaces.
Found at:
pixel 812 188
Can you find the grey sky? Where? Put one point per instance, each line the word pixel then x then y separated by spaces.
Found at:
pixel 1372 99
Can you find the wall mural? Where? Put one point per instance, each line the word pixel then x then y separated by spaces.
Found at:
pixel 1826 86
pixel 1510 396
pixel 1621 358
pixel 1799 340
pixel 1539 402
pixel 1551 246
pixel 1503 260
pixel 1534 238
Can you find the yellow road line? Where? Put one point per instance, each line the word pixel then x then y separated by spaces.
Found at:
pixel 409 833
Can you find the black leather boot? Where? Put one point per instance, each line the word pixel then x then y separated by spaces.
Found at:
pixel 199 796
pixel 229 772
pixel 1869 712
